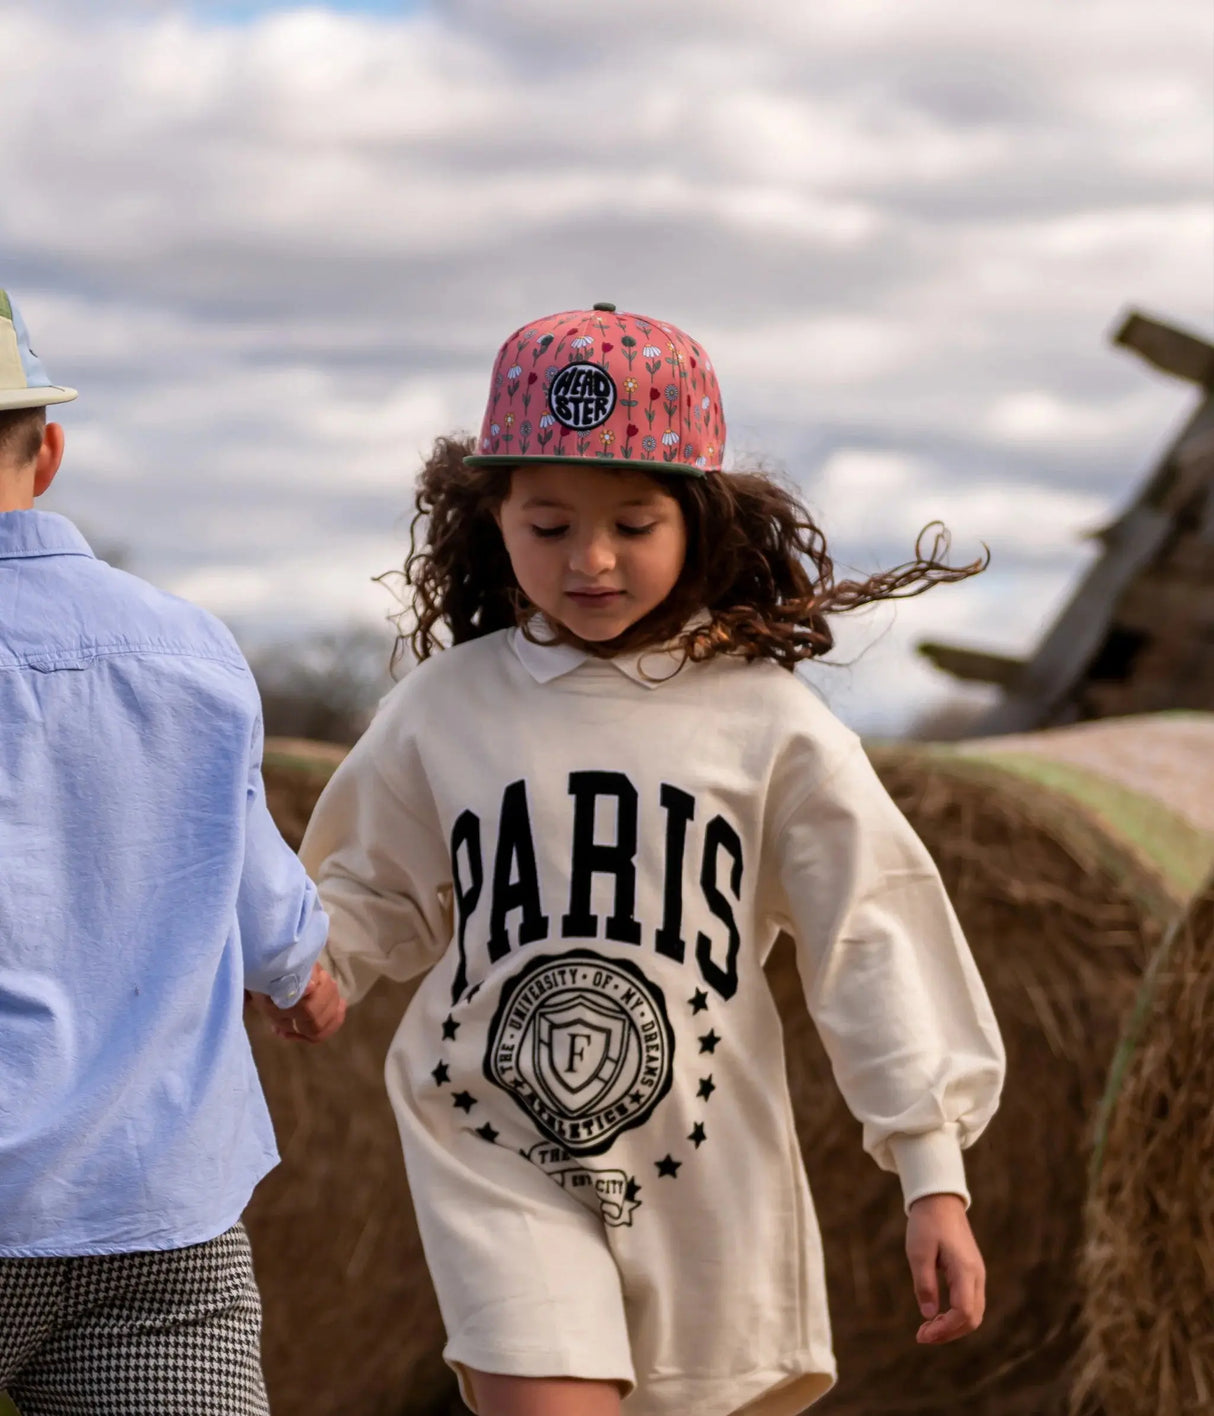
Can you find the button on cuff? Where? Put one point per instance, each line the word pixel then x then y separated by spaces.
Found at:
pixel 286 991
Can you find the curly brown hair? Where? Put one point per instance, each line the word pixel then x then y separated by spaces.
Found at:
pixel 756 565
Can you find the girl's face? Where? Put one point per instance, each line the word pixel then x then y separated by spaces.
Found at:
pixel 594 550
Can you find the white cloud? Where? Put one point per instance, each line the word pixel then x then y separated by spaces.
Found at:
pixel 868 496
pixel 299 590
pixel 1038 417
pixel 786 358
pixel 276 258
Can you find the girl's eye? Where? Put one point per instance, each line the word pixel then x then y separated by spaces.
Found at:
pixel 626 530
pixel 549 533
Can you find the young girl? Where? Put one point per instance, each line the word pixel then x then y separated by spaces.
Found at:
pixel 589 818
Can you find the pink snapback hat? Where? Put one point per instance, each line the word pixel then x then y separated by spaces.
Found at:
pixel 601 384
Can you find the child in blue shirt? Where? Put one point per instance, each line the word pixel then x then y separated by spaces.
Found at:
pixel 143 888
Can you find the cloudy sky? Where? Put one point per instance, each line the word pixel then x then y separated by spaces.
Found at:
pixel 275 246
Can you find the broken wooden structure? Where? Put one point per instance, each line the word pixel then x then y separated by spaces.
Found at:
pixel 1138 634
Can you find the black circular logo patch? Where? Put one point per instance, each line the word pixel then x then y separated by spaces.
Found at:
pixel 582 396
pixel 583 1045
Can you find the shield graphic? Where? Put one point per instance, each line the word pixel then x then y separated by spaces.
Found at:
pixel 584 1046
pixel 579 1048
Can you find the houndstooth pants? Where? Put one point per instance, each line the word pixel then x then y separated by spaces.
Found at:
pixel 172 1333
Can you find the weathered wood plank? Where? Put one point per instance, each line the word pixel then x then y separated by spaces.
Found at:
pixel 1171 350
pixel 973 665
pixel 1080 630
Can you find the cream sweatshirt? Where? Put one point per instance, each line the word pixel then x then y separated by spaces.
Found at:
pixel 592 859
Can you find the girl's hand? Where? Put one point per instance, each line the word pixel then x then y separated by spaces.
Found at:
pixel 319 1013
pixel 939 1240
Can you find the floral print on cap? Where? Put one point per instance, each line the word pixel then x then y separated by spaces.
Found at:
pixel 603 384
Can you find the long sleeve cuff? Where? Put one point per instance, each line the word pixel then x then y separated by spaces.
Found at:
pixel 930 1164
pixel 287 989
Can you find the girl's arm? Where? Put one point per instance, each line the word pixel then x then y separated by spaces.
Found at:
pixel 888 977
pixel 902 1012
pixel 377 854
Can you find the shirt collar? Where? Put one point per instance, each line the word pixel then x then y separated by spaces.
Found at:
pixel 651 668
pixel 25 534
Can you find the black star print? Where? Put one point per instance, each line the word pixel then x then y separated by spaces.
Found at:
pixel 668 1166
pixel 631 1190
pixel 464 1101
pixel 441 1075
pixel 708 1043
pixel 707 1087
pixel 487 1133
pixel 697 1137
pixel 450 1028
pixel 636 1098
pixel 698 1001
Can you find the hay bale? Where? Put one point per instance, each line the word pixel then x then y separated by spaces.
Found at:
pixel 1148 1266
pixel 295 772
pixel 1152 754
pixel 1064 880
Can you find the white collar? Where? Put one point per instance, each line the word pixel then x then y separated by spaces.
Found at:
pixel 651 668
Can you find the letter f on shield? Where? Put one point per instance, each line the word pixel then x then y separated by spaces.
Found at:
pixel 580 1045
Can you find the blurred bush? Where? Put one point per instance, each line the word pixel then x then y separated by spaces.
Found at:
pixel 325 687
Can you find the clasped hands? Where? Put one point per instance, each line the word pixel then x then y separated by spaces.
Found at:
pixel 317 1015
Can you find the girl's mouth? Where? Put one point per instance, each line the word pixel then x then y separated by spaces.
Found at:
pixel 594 597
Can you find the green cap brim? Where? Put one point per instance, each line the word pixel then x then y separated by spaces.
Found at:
pixel 649 465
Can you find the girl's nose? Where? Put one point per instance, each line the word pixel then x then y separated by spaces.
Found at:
pixel 592 555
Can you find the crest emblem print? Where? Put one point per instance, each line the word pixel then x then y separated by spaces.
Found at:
pixel 583 1045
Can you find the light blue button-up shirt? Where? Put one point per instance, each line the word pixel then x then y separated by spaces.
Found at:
pixel 143 887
